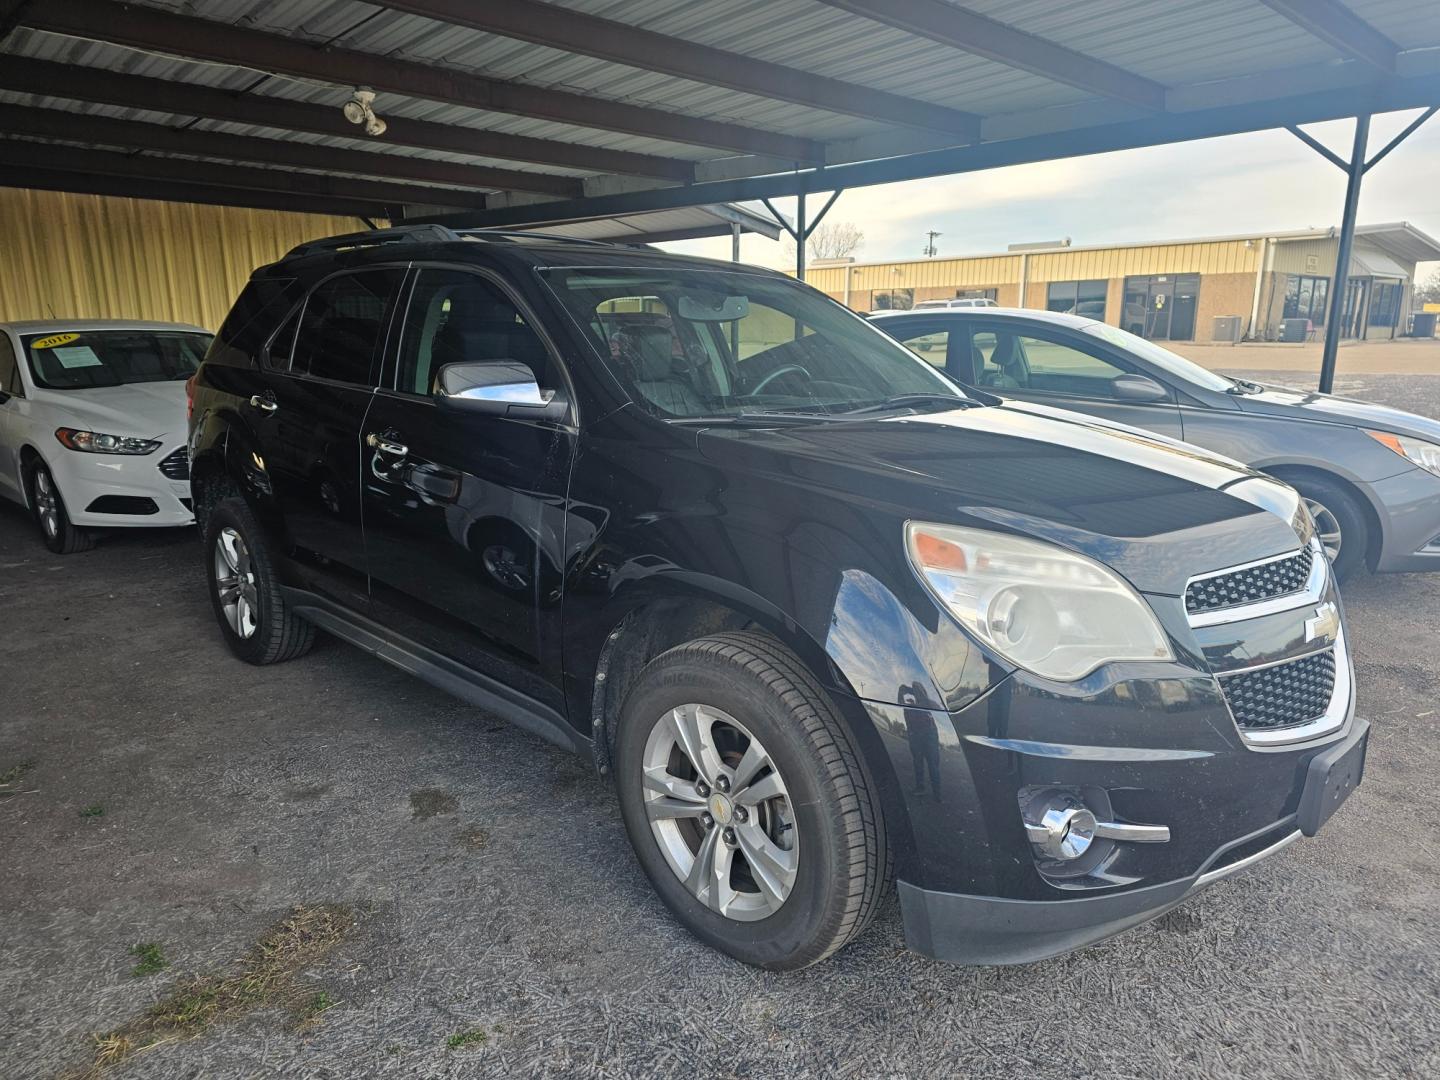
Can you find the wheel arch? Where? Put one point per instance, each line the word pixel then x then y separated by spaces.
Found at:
pixel 1374 520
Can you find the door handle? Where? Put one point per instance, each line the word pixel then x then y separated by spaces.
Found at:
pixel 386 446
pixel 264 404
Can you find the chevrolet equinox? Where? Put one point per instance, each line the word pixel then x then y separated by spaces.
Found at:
pixel 825 617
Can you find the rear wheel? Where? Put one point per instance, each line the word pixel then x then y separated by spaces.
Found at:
pixel 60 534
pixel 1340 523
pixel 245 590
pixel 746 803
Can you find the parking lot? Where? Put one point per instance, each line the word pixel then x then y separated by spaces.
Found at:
pixel 489 919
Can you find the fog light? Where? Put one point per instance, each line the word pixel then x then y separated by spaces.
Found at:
pixel 1063 833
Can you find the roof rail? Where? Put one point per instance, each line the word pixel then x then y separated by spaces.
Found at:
pixel 523 234
pixel 401 234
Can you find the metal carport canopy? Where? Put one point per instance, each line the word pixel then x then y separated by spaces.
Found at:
pixel 519 112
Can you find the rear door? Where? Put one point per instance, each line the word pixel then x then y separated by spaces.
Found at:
pixel 320 375
pixel 12 422
pixel 1052 366
pixel 464 512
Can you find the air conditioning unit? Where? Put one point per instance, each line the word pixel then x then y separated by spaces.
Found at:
pixel 1294 329
pixel 1225 328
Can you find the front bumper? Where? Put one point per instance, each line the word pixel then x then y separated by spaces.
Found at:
pixel 964 929
pixel 1409 507
pixel 103 490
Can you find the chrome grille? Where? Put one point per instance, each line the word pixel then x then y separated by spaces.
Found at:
pixel 1282 695
pixel 1279 577
pixel 176 465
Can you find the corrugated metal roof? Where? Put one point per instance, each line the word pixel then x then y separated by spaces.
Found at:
pixel 1173 44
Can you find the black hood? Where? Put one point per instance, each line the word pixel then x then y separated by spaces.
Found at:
pixel 1156 510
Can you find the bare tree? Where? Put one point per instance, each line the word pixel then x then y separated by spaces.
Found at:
pixel 832 240
pixel 1428 291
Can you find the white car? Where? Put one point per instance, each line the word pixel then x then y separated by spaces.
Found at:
pixel 92 424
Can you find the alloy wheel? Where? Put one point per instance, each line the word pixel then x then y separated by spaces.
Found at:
pixel 47 502
pixel 720 811
pixel 1327 528
pixel 235 583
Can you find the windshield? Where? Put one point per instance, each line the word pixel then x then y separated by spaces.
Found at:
pixel 86 359
pixel 1161 357
pixel 700 343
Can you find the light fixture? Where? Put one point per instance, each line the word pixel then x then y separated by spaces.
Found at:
pixel 360 109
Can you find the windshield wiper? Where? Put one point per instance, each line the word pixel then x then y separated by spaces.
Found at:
pixel 900 401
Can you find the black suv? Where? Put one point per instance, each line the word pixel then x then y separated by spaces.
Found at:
pixel 823 614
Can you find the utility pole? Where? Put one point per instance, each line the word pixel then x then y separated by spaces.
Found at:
pixel 930 248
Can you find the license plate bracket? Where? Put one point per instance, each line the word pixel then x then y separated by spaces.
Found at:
pixel 1330 778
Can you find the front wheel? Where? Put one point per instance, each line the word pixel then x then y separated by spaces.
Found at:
pixel 746 803
pixel 60 534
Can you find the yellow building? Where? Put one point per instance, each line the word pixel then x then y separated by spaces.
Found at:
pixel 1177 290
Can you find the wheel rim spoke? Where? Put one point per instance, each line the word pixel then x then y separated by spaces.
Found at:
pixel 673 808
pixel 772 867
pixel 753 761
pixel 767 787
pixel 709 878
pixel 691 724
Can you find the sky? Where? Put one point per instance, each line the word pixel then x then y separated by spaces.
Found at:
pixel 1261 182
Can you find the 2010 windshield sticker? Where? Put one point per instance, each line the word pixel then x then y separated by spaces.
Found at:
pixel 53 340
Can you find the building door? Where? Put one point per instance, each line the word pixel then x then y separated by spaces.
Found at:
pixel 1161 307
pixel 1357 290
pixel 1182 313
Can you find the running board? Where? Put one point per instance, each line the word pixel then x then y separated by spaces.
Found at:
pixel 439 671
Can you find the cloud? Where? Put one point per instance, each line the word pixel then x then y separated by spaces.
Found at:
pixel 1259 182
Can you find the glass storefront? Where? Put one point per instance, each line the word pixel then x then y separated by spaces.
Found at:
pixel 1161 307
pixel 1085 298
pixel 1305 297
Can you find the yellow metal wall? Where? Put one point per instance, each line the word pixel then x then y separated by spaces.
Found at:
pixel 96 257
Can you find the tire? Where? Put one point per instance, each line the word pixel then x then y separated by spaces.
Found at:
pixel 1330 502
pixel 59 533
pixel 747 691
pixel 247 600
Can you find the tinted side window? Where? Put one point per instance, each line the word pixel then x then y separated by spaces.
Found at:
pixel 343 325
pixel 455 317
pixel 9 369
pixel 260 303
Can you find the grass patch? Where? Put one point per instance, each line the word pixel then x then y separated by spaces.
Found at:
pixel 265 976
pixel 461 1039
pixel 12 776
pixel 309 1011
pixel 473 838
pixel 428 802
pixel 94 810
pixel 151 959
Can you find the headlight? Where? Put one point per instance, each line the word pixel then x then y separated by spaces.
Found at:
pixel 93 442
pixel 1041 607
pixel 1416 451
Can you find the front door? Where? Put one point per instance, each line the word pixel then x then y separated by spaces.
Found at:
pixel 317 387
pixel 464 512
pixel 12 420
pixel 1050 366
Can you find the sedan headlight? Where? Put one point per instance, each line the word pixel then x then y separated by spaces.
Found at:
pixel 1045 609
pixel 94 442
pixel 1416 451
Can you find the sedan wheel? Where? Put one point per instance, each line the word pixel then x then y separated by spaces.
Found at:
pixel 720 812
pixel 47 504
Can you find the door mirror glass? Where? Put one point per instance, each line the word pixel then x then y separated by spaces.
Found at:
pixel 505 387
pixel 1138 388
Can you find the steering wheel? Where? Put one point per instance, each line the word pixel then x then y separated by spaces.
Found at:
pixel 783 369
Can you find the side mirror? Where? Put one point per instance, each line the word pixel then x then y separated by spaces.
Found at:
pixel 1138 388
pixel 497 387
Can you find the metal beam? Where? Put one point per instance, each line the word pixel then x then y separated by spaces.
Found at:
pixel 1319 147
pixel 132 135
pixel 1335 315
pixel 1410 129
pixel 79 83
pixel 10 12
pixel 576 32
pixel 55 156
pixel 1340 28
pixel 223 43
pixel 973 33
pixel 1329 104
pixel 42 179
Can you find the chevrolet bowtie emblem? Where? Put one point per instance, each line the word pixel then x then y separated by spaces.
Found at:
pixel 1325 625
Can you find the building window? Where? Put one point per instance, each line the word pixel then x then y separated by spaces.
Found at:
pixel 976 294
pixel 1305 297
pixel 895 300
pixel 1161 307
pixel 1077 298
pixel 1385 303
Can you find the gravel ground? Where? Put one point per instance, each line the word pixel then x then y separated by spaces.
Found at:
pixel 494 891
